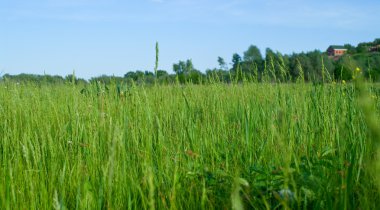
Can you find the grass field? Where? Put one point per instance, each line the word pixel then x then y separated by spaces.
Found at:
pixel 218 146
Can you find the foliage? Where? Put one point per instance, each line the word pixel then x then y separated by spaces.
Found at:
pixel 216 146
pixel 236 61
pixel 253 54
pixel 222 64
pixel 314 66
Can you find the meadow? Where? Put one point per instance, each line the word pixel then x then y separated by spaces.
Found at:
pixel 215 146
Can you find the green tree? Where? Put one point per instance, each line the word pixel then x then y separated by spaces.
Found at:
pixel 189 66
pixel 303 61
pixel 179 67
pixel 135 76
pixel 218 75
pixel 253 54
pixel 362 47
pixel 162 73
pixel 185 71
pixel 183 67
pixel 271 63
pixel 236 60
pixel 222 63
pixel 345 67
pixel 350 49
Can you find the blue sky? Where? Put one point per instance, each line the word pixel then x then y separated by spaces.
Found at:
pixel 95 37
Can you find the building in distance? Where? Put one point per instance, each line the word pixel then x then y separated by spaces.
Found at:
pixel 336 50
pixel 375 48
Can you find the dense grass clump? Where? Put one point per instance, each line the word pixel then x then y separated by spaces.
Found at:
pixel 217 146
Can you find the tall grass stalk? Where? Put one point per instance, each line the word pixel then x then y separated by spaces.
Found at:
pixel 298 146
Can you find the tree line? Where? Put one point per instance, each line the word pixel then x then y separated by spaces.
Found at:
pixel 252 65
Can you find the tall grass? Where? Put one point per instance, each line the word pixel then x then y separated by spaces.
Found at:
pixel 216 146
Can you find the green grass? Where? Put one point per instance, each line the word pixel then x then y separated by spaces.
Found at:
pixel 252 146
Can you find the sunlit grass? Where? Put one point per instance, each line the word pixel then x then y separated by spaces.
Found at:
pixel 214 146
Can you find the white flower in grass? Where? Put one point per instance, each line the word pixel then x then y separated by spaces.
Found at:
pixel 286 194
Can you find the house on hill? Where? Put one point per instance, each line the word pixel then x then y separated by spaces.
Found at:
pixel 375 48
pixel 336 50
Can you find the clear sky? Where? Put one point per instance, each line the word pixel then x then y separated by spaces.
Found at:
pixel 95 37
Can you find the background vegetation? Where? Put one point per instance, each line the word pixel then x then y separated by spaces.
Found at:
pixel 252 65
pixel 216 146
pixel 230 139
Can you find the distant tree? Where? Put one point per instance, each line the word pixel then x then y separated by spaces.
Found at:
pixel 373 66
pixel 164 77
pixel 148 73
pixel 149 77
pixel 183 67
pixel 140 75
pixel 70 78
pixel 218 75
pixel 131 75
pixel 222 63
pixel 282 67
pixel 186 71
pixel 322 66
pixel 236 60
pixel 189 66
pixel 269 53
pixel 195 76
pixel 38 79
pixel 307 66
pixel 345 67
pixel 270 61
pixel 328 64
pixel 105 79
pixel 179 67
pixel 350 49
pixel 363 47
pixel 137 75
pixel 253 54
pixel 161 73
